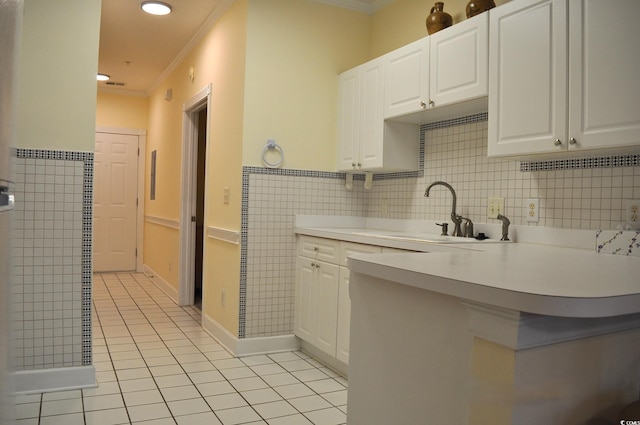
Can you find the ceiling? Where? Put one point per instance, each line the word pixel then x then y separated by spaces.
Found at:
pixel 138 50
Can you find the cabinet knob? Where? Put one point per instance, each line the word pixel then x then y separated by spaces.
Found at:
pixel 557 142
pixel 316 249
pixel 573 141
pixel 423 105
pixel 431 103
pixel 353 165
pixel 359 165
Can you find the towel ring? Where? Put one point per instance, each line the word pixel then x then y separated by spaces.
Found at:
pixel 272 145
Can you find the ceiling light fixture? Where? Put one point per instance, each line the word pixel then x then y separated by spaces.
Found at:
pixel 156 7
pixel 103 77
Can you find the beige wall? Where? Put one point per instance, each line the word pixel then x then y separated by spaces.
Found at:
pixel 224 53
pixel 295 51
pixel 273 69
pixel 121 111
pixel 404 21
pixel 219 60
pixel 57 92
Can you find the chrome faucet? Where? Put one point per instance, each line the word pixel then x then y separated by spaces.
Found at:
pixel 457 220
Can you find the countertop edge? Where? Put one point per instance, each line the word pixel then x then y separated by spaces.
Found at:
pixel 541 304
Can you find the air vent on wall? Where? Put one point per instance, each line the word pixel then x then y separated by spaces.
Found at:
pixel 114 83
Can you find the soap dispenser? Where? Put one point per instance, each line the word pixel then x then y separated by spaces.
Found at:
pixel 467 228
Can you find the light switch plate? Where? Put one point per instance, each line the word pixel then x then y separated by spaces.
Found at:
pixel 495 206
pixel 227 195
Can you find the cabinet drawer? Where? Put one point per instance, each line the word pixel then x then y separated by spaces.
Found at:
pixel 319 249
pixel 348 248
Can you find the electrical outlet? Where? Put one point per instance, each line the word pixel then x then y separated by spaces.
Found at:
pixel 632 213
pixel 532 210
pixel 495 206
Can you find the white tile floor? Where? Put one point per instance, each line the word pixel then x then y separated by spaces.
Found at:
pixel 155 365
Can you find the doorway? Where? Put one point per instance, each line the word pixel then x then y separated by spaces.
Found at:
pixel 117 229
pixel 191 289
pixel 201 165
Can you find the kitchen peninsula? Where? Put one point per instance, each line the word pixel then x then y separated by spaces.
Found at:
pixel 488 333
pixel 510 334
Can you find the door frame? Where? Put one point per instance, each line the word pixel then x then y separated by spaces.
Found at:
pixel 142 143
pixel 190 109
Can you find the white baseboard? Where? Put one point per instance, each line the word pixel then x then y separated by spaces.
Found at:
pixel 57 379
pixel 164 286
pixel 241 347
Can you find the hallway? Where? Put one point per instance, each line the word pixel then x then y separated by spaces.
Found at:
pixel 155 365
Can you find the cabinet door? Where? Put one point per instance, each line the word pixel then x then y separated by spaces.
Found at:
pixel 344 317
pixel 604 73
pixel 371 119
pixel 406 79
pixel 527 77
pixel 305 309
pixel 348 119
pixel 326 284
pixel 458 62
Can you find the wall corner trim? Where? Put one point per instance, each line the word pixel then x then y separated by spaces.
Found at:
pixel 241 347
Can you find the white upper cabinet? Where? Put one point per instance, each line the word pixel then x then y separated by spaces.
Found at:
pixel 459 62
pixel 360 122
pixel 371 121
pixel 365 141
pixel 349 119
pixel 406 84
pixel 604 74
pixel 553 89
pixel 527 77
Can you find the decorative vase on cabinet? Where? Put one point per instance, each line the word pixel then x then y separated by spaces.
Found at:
pixel 438 19
pixel 475 7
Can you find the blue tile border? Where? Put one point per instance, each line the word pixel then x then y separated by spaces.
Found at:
pixel 87 232
pixel 581 163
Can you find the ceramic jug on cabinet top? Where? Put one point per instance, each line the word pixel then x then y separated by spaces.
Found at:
pixel 475 7
pixel 438 19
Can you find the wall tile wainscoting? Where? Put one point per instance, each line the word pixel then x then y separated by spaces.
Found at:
pixel 574 194
pixel 51 240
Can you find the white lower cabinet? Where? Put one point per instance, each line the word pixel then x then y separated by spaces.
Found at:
pixel 317 303
pixel 323 305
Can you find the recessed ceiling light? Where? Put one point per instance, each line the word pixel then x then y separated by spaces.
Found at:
pixel 156 7
pixel 103 77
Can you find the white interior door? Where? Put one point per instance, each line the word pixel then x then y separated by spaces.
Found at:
pixel 115 202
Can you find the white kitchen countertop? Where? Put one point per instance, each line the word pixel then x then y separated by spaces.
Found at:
pixel 533 278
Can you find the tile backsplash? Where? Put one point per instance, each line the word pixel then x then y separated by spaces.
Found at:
pixel 571 196
pixel 575 198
